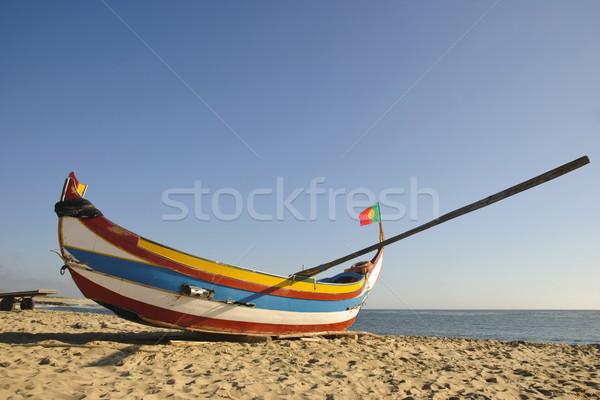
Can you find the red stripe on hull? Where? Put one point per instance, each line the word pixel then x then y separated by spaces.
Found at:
pixel 128 241
pixel 157 315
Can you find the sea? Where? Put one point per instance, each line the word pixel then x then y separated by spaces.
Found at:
pixel 548 326
pixel 544 326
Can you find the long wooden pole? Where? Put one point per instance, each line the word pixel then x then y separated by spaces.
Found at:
pixel 538 180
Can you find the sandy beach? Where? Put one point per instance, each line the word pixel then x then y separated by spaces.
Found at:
pixel 68 355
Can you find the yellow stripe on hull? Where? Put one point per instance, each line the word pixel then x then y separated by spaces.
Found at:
pixel 301 283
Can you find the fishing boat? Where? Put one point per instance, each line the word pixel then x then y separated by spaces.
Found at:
pixel 147 282
pixel 143 281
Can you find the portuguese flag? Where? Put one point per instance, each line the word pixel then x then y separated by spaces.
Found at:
pixel 370 215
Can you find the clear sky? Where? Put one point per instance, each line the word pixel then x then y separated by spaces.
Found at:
pixel 423 106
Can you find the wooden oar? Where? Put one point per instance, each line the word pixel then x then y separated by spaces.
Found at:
pixel 538 180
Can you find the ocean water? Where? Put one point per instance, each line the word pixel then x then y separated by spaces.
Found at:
pixel 556 326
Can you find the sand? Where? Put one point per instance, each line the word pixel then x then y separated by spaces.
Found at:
pixel 68 355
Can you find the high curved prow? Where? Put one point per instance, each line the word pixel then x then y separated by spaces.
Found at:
pixel 72 203
pixel 72 188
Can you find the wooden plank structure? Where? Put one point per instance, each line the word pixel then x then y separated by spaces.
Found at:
pixel 25 297
pixel 199 340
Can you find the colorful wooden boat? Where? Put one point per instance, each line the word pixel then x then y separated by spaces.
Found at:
pixel 147 282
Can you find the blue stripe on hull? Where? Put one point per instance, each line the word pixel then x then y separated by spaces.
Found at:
pixel 167 279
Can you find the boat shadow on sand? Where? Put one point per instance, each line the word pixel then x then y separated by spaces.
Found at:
pixel 123 344
pixel 74 339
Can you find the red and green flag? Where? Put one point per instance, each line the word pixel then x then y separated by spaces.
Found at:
pixel 370 215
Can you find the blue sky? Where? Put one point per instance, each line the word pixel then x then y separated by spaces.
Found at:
pixel 256 100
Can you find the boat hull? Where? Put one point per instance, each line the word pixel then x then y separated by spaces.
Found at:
pixel 148 305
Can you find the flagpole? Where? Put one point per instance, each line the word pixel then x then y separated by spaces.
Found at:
pixel 511 191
